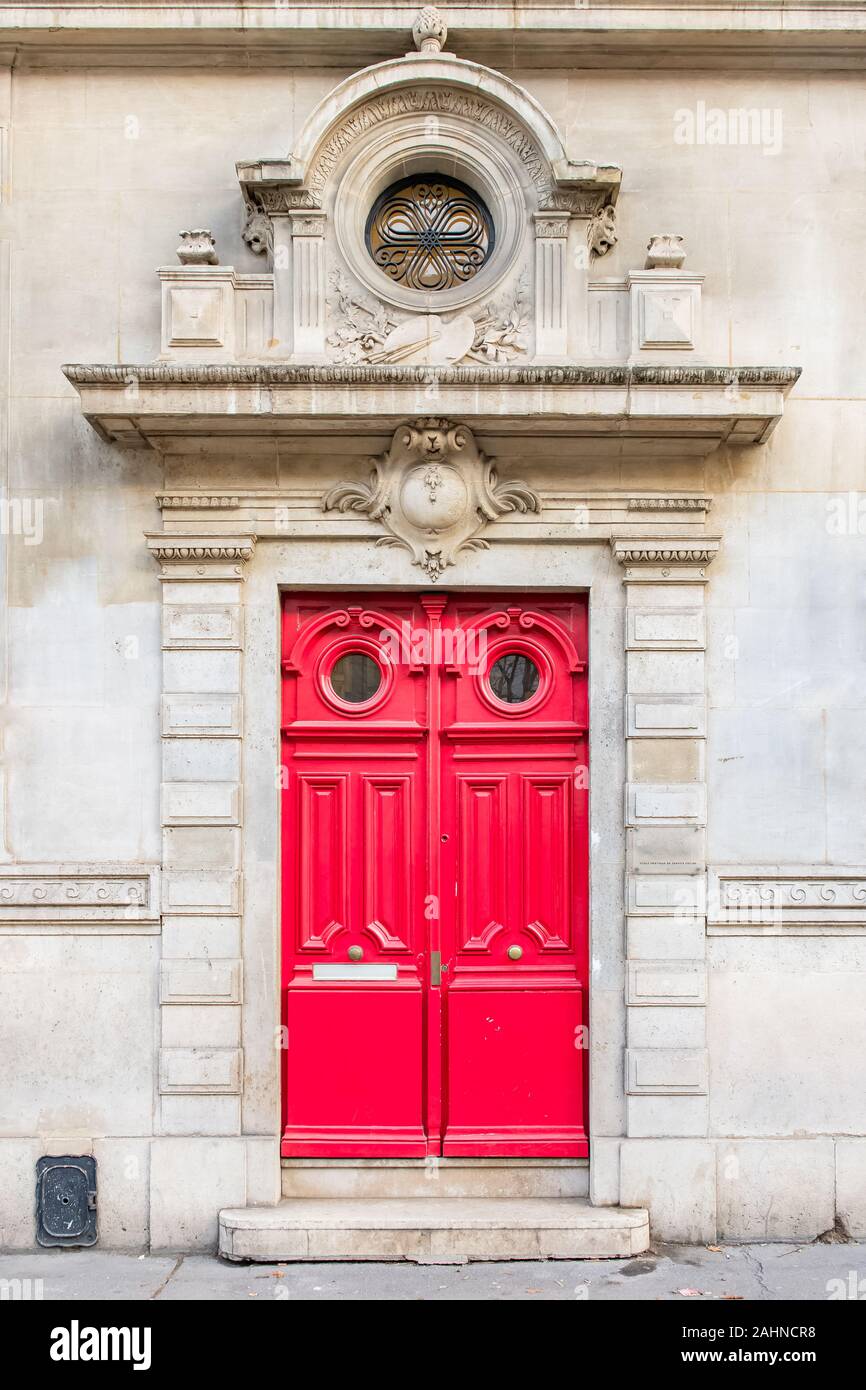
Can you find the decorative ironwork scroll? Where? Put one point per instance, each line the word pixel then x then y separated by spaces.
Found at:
pixel 430 233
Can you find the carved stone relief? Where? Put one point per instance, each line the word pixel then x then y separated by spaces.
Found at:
pixel 434 491
pixel 363 329
pixel 601 232
pixel 442 101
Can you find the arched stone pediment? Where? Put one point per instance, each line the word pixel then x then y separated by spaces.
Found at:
pixel 440 85
pixel 440 118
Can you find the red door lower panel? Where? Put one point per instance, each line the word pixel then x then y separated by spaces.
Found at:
pixel 434 875
pixel 515 1083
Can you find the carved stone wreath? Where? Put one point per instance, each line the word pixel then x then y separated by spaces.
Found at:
pixel 433 491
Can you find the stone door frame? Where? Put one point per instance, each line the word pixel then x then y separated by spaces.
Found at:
pixel 220 817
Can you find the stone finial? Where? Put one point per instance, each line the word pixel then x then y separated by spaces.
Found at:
pixel 665 252
pixel 197 248
pixel 429 30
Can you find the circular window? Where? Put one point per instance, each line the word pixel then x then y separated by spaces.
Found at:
pixel 430 232
pixel 355 677
pixel 514 678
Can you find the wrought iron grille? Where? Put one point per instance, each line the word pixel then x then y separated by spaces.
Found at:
pixel 430 233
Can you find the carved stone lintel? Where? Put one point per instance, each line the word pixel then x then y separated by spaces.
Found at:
pixel 433 492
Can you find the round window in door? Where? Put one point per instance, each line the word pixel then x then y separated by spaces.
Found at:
pixel 514 678
pixel 517 678
pixel 355 677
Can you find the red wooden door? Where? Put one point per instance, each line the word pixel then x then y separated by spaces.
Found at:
pixel 434 875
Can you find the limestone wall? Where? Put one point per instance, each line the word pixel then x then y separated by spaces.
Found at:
pixel 102 168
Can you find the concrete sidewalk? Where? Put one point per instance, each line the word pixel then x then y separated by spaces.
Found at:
pixel 690 1274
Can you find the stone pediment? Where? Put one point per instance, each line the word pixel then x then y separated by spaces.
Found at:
pixel 430 231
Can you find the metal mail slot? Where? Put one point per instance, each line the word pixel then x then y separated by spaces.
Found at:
pixel 348 970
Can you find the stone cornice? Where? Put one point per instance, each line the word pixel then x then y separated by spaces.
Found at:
pixel 665 551
pixel 779 33
pixel 362 374
pixel 153 405
pixel 189 555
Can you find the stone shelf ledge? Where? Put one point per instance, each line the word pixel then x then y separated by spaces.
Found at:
pixel 156 405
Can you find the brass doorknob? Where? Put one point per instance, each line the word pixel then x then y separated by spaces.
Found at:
pixel 515 953
pixel 356 953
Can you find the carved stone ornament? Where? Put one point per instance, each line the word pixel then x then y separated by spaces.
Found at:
pixel 169 548
pixel 433 491
pixel 363 329
pixel 197 248
pixel 429 30
pixel 665 252
pixel 258 231
pixel 601 232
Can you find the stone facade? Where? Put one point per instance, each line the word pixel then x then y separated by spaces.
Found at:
pixel 625 370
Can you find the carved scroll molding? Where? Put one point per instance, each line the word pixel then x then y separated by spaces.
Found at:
pixel 66 897
pixel 433 491
pixel 772 900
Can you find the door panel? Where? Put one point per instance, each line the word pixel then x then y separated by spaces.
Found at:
pixel 515 1074
pixel 434 841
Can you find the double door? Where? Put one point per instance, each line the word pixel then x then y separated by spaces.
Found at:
pixel 434 903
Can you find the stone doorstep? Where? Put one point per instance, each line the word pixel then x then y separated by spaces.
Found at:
pixel 437 1230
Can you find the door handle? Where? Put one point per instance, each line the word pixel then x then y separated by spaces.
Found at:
pixel 515 953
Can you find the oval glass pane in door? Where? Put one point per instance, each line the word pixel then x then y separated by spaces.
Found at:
pixel 355 677
pixel 514 678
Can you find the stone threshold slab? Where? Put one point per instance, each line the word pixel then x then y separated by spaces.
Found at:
pixel 432 1230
